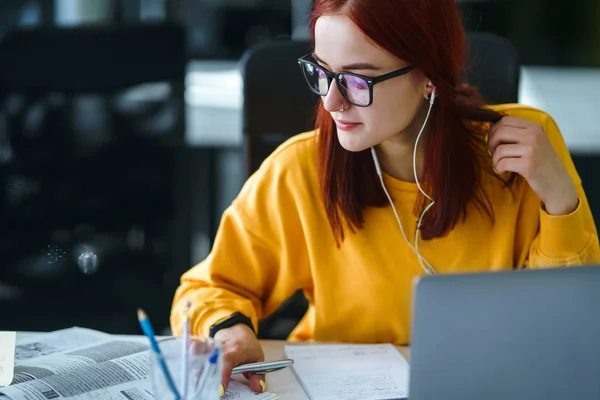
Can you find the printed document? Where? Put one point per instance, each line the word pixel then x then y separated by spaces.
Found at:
pixel 350 371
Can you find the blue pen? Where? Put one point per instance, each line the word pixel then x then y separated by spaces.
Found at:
pixel 211 365
pixel 149 332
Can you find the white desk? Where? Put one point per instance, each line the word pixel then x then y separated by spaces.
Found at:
pixel 213 101
pixel 282 382
pixel 569 96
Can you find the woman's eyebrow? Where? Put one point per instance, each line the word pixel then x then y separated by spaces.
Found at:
pixel 358 66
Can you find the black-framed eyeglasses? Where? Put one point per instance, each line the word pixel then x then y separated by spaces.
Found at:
pixel 356 89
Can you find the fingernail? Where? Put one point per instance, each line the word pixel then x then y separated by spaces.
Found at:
pixel 221 391
pixel 262 384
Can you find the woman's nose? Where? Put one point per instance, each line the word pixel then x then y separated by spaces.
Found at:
pixel 333 100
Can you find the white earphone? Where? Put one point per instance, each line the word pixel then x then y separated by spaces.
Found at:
pixel 427 267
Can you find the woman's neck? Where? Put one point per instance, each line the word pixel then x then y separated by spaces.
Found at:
pixel 396 154
pixel 396 160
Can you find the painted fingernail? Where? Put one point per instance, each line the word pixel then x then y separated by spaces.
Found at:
pixel 221 391
pixel 262 384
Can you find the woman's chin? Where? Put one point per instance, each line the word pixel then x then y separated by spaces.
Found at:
pixel 352 142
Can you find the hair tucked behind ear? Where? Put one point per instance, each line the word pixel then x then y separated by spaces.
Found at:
pixel 427 34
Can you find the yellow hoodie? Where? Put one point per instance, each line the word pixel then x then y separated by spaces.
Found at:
pixel 275 239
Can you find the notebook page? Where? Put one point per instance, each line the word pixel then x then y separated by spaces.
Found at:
pixel 7 357
pixel 350 371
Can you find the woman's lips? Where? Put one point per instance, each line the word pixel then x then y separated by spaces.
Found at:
pixel 345 125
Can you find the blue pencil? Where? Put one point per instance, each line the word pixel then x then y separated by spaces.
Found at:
pixel 149 332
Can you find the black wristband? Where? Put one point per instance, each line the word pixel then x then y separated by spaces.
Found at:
pixel 234 319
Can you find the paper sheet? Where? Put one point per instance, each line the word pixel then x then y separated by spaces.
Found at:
pixel 57 342
pixel 239 391
pixel 7 357
pixel 350 372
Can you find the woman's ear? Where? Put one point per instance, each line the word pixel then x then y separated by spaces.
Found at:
pixel 429 88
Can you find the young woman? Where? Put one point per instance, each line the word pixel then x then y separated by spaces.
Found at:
pixel 399 145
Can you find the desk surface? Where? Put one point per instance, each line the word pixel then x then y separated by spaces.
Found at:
pixel 282 382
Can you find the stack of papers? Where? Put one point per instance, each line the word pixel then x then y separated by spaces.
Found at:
pixel 350 372
pixel 86 364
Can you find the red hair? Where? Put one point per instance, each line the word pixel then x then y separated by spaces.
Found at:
pixel 428 35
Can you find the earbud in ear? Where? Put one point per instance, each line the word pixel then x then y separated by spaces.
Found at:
pixel 432 96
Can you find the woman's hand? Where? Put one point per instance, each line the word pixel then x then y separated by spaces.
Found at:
pixel 521 146
pixel 240 346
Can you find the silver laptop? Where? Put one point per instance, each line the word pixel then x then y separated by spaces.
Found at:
pixel 518 335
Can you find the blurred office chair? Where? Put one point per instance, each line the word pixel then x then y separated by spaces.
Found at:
pixel 92 122
pixel 278 104
pixel 494 67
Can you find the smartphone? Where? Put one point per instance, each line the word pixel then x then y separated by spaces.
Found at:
pixel 263 367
